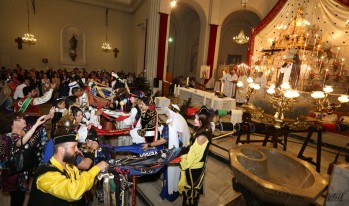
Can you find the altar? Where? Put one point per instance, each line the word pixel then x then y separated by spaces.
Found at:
pixel 208 99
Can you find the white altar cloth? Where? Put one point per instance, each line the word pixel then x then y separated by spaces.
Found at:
pixel 200 97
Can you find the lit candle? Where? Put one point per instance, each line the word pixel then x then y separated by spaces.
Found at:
pixel 340 73
pixel 338 48
pixel 175 90
pixel 322 58
pixel 315 42
pixel 306 37
pixel 323 85
pixel 222 87
pixel 304 49
pixel 317 52
pixel 187 81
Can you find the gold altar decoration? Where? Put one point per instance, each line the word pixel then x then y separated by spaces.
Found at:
pixel 281 98
pixel 258 115
pixel 323 103
pixel 252 88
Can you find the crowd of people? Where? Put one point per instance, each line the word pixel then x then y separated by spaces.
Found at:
pixel 65 172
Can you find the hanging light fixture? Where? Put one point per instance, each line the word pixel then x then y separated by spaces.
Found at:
pixel 241 38
pixel 173 3
pixel 106 46
pixel 28 38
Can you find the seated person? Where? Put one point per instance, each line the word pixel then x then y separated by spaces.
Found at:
pixel 146 128
pixel 135 112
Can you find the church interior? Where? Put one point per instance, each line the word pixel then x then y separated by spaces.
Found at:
pixel 274 74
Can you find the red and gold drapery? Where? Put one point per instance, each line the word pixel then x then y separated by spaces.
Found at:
pixel 271 15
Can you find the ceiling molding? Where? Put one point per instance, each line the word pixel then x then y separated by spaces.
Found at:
pixel 118 5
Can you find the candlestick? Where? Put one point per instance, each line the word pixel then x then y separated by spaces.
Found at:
pixel 323 85
pixel 338 48
pixel 175 90
pixel 317 52
pixel 205 98
pixel 306 37
pixel 304 49
pixel 322 58
pixel 342 64
pixel 187 81
pixel 222 87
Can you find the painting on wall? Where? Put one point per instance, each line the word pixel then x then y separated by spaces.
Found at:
pixel 234 59
pixel 72 46
pixel 205 72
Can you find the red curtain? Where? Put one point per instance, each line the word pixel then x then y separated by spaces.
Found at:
pixel 345 2
pixel 162 45
pixel 211 48
pixel 271 15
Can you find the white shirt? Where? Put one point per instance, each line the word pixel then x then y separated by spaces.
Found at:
pixel 132 118
pixel 19 91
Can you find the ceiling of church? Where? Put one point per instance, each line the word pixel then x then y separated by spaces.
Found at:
pixel 119 5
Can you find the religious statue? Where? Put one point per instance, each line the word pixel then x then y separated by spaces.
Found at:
pixel 290 70
pixel 73 46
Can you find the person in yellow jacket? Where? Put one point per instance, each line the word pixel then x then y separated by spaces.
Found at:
pixel 194 160
pixel 59 181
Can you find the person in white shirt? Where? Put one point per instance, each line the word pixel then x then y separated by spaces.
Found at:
pixel 241 93
pixel 234 80
pixel 226 80
pixel 135 112
pixel 19 89
pixel 262 81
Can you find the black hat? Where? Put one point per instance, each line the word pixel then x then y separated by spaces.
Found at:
pixel 146 100
pixel 205 111
pixel 58 101
pixel 65 138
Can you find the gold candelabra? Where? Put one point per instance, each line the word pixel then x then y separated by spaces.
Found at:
pixel 323 103
pixel 252 88
pixel 281 98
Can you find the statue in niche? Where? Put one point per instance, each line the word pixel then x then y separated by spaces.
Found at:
pixel 73 45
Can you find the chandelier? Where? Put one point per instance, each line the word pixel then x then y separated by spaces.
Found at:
pixel 106 46
pixel 28 38
pixel 241 38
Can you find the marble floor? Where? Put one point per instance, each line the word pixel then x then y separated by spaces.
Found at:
pixel 218 180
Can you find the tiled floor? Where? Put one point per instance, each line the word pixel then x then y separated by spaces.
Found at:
pixel 218 187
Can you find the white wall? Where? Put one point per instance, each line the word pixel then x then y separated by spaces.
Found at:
pixel 51 16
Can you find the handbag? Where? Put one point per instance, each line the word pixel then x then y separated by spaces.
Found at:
pixel 22 158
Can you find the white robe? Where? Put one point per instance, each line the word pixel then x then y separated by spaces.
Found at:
pixel 226 79
pixel 241 93
pixel 173 171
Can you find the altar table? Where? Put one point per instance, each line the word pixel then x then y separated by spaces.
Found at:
pixel 208 99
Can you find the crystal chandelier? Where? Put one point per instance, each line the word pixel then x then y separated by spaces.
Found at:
pixel 241 38
pixel 106 46
pixel 28 38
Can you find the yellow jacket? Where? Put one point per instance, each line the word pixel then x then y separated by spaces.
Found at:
pixel 69 189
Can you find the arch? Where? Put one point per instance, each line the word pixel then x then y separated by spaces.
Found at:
pixel 231 26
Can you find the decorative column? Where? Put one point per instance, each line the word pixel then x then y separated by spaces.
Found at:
pixel 152 41
pixel 211 49
pixel 162 45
